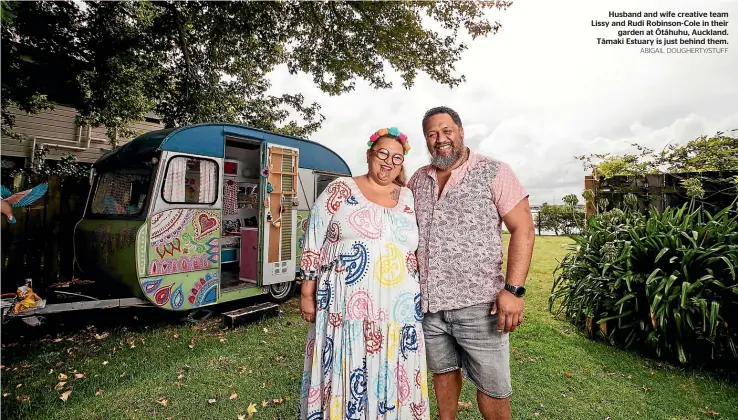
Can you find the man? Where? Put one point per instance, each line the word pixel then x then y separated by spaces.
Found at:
pixel 470 306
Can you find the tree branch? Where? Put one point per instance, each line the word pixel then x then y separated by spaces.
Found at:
pixel 182 38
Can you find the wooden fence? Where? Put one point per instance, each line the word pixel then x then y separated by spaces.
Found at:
pixel 664 190
pixel 39 245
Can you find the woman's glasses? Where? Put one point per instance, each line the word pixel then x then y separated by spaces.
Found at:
pixel 384 154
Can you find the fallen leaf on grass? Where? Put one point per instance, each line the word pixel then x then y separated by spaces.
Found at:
pixel 536 414
pixel 18 386
pixel 191 346
pixel 59 386
pixel 133 346
pixel 122 374
pixel 105 363
pixel 23 398
pixel 79 375
pixel 241 417
pixel 708 412
pixel 62 377
pixel 251 410
pixel 99 392
pixel 264 404
pixel 176 336
pixel 162 402
pixel 58 340
pixel 568 374
pixel 180 377
pixel 65 396
pixel 652 372
pixel 646 388
pixel 464 405
pixel 5 394
pixel 101 336
pixel 212 401
pixel 222 340
pixel 233 396
pixel 266 330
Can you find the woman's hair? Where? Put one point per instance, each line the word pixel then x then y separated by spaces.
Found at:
pixel 401 179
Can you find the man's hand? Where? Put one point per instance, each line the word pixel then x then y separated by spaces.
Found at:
pixel 510 311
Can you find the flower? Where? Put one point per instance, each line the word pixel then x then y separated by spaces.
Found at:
pixel 374 137
pixel 394 132
pixel 403 138
pixel 382 132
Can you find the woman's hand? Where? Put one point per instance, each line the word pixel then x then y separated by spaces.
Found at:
pixel 307 308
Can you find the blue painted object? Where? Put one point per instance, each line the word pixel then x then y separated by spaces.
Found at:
pixel 209 140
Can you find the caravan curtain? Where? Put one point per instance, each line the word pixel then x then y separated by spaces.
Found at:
pixel 174 185
pixel 207 181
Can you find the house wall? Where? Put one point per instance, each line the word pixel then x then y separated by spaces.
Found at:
pixel 58 130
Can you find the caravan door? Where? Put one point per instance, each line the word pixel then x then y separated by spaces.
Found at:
pixel 279 226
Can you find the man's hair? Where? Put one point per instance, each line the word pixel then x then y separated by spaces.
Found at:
pixel 442 110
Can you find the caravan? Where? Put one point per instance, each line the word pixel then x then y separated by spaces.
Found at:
pixel 204 214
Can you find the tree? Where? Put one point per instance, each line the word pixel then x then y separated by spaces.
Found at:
pixel 705 153
pixel 202 61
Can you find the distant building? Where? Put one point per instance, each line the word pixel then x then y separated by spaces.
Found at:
pixel 58 130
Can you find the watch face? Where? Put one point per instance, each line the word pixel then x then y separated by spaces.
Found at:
pixel 521 291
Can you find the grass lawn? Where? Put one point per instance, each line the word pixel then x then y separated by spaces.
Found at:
pixel 164 369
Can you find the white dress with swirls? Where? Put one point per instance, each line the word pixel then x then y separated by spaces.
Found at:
pixel 365 355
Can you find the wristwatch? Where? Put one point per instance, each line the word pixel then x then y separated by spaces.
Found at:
pixel 518 291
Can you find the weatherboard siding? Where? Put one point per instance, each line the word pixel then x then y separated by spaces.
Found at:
pixel 58 127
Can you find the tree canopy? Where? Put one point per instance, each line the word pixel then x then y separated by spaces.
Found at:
pixel 199 61
pixel 718 152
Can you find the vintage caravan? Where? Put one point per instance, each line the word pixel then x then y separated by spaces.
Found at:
pixel 199 215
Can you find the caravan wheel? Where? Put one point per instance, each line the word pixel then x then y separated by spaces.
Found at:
pixel 281 292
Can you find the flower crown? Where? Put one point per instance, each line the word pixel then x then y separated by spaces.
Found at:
pixel 392 132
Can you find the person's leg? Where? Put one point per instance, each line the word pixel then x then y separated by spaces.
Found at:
pixel 444 363
pixel 448 389
pixel 485 359
pixel 493 408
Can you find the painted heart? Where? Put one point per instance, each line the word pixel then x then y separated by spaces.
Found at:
pixel 205 224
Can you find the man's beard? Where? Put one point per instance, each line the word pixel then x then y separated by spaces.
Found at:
pixel 444 162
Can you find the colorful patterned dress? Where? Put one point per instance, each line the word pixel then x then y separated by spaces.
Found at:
pixel 365 355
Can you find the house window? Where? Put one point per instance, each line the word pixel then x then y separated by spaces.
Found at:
pixel 191 181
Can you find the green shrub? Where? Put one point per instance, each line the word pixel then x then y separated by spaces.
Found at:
pixel 664 280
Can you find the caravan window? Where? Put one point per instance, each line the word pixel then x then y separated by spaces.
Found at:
pixel 321 183
pixel 191 180
pixel 121 193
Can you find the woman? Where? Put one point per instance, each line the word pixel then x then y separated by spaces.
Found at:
pixel 365 357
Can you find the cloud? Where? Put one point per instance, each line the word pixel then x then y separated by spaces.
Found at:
pixel 542 91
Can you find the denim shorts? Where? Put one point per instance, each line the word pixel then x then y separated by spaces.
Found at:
pixel 467 339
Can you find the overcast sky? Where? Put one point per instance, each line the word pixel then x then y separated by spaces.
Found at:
pixel 542 91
